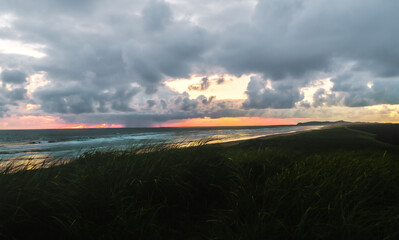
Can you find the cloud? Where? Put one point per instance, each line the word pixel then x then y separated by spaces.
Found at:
pixel 151 103
pixel 12 90
pixel 206 101
pixel 16 94
pixel 156 15
pixel 65 100
pixel 50 7
pixel 79 99
pixel 118 47
pixel 13 77
pixel 121 99
pixel 362 89
pixel 292 38
pixel 281 95
pixel 202 86
pixel 171 54
pixel 188 104
pixel 322 98
pixel 220 81
pixel 163 104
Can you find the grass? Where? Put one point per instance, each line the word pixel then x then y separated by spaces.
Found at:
pixel 384 132
pixel 337 183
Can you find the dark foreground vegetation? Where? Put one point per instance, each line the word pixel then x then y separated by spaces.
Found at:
pixel 338 183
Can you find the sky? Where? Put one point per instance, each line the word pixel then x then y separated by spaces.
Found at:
pixel 178 63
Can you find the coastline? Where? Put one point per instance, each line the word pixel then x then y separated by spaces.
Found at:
pixel 48 146
pixel 39 158
pixel 235 142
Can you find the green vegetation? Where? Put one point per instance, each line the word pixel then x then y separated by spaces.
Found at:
pixel 384 132
pixel 336 183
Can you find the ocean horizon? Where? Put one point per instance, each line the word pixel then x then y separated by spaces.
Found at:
pixel 70 143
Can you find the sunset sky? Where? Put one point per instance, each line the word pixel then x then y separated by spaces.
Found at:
pixel 178 63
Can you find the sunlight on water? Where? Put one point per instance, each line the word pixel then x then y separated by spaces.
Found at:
pixel 34 147
pixel 29 162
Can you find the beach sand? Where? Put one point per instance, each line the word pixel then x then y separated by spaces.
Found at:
pixel 233 143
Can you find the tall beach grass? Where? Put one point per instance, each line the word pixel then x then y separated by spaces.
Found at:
pixel 327 184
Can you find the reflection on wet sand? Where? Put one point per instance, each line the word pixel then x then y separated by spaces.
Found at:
pixel 29 162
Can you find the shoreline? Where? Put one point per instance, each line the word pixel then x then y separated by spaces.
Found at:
pixel 235 142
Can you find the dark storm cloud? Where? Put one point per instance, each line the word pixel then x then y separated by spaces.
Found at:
pixel 163 104
pixel 206 101
pixel 120 100
pixel 361 89
pixel 184 103
pixel 3 107
pixel 292 38
pixel 49 6
pixel 71 99
pixel 111 47
pixel 156 15
pixel 178 100
pixel 282 95
pixel 79 99
pixel 171 53
pixel 16 94
pixel 188 104
pixel 150 103
pixel 13 76
pixel 10 97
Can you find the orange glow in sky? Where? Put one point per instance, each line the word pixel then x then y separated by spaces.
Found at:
pixel 228 121
pixel 30 122
pixel 50 122
pixel 233 87
pixel 45 122
pixel 104 125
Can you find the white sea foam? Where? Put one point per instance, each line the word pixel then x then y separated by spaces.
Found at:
pixel 70 143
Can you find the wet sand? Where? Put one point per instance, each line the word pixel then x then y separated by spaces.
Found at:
pixel 233 143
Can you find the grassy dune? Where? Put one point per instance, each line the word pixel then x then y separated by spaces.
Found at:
pixel 339 183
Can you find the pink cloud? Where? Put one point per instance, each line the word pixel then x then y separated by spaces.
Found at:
pixel 46 122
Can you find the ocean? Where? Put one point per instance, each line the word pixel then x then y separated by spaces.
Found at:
pixel 70 143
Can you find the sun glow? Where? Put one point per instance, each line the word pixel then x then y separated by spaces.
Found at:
pixel 104 125
pixel 46 122
pixel 35 81
pixel 228 121
pixel 16 47
pixel 311 89
pixel 224 86
pixel 30 122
